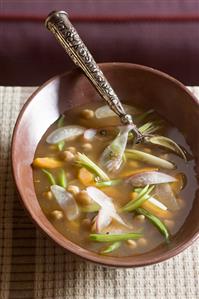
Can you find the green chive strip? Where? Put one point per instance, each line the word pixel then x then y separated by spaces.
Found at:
pixel 124 158
pixel 114 237
pixel 61 145
pixel 83 161
pixel 62 180
pixel 111 248
pixel 136 203
pixel 144 115
pixel 60 121
pixel 60 124
pixel 90 208
pixel 49 176
pixel 109 183
pixel 150 127
pixel 147 128
pixel 137 189
pixel 156 221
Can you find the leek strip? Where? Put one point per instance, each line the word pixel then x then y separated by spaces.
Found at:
pixel 145 114
pixel 156 221
pixel 114 237
pixel 90 208
pixel 84 161
pixel 148 158
pixel 111 248
pixel 62 180
pixel 109 183
pixel 142 197
pixel 168 144
pixel 61 145
pixel 60 121
pixel 49 176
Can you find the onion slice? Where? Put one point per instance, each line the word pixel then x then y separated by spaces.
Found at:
pixel 89 134
pixel 157 203
pixel 65 133
pixel 66 201
pixel 113 154
pixel 165 194
pixel 103 219
pixel 105 202
pixel 105 111
pixel 150 178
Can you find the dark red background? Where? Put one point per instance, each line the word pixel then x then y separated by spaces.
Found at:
pixel 163 34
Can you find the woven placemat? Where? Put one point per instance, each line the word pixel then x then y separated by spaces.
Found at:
pixel 31 266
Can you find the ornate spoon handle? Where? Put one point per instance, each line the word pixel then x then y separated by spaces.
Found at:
pixel 58 23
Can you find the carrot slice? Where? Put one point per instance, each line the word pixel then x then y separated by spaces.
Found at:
pixel 47 162
pixel 131 172
pixel 156 210
pixel 150 207
pixel 111 191
pixel 85 177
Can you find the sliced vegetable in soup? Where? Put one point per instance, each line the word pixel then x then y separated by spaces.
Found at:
pixel 106 193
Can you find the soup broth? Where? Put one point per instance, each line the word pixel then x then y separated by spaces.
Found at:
pixel 106 193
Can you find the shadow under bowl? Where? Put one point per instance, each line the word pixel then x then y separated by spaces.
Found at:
pixel 134 84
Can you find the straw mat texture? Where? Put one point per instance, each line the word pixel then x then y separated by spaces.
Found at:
pixel 33 267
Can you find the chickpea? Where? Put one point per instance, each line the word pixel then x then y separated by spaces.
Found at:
pixel 132 244
pixel 57 215
pixel 86 222
pixel 48 195
pixel 67 156
pixel 169 223
pixel 140 218
pixel 142 242
pixel 73 189
pixel 83 198
pixel 87 147
pixel 71 149
pixel 87 113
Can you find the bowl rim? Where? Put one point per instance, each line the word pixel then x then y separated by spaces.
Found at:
pixel 86 253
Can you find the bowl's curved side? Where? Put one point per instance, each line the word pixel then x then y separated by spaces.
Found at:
pixel 149 88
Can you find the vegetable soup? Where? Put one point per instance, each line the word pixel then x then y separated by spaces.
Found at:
pixel 106 193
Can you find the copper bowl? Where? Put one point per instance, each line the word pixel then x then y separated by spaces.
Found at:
pixel 135 84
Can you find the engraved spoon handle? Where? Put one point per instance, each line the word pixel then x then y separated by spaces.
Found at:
pixel 58 23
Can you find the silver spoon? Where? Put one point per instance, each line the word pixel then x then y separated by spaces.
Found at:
pixel 58 23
